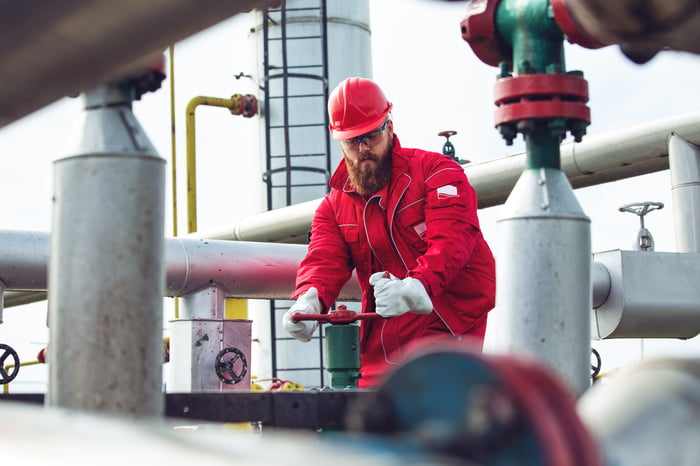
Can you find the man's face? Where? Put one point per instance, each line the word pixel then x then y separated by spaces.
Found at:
pixel 368 159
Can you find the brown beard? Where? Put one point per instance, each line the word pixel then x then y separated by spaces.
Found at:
pixel 367 179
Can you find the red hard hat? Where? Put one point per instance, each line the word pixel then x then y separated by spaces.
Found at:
pixel 356 106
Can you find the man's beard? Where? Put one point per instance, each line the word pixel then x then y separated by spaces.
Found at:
pixel 369 178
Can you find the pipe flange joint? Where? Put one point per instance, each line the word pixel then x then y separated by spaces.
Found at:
pixel 479 31
pixel 559 99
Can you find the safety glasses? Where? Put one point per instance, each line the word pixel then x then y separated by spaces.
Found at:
pixel 370 138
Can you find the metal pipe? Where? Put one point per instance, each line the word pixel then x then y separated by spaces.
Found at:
pixel 646 414
pixel 237 105
pixel 650 295
pixel 286 225
pixel 19 298
pixel 106 269
pixel 684 161
pixel 243 269
pixel 598 159
pixel 59 39
pixel 601 284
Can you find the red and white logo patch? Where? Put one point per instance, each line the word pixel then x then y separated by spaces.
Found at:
pixel 443 192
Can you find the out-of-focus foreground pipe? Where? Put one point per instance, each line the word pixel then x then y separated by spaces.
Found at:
pixel 49 50
pixel 78 439
pixel 246 105
pixel 640 27
pixel 647 414
pixel 242 269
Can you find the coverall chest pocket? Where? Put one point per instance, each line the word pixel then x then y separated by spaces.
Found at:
pixel 351 236
pixel 411 220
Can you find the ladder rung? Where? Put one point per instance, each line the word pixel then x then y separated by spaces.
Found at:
pixel 295 96
pixel 306 125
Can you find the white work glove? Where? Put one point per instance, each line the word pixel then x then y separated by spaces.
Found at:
pixel 394 297
pixel 308 303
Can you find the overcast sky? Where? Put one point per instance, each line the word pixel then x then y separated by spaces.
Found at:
pixel 435 82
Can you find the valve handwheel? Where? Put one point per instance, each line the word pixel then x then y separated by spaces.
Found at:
pixel 6 352
pixel 226 362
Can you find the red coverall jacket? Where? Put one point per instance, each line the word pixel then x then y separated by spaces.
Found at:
pixel 424 225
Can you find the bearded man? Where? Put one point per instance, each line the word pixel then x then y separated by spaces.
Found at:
pixel 406 221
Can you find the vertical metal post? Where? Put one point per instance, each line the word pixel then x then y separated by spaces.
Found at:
pixel 2 299
pixel 544 269
pixel 107 273
pixel 684 163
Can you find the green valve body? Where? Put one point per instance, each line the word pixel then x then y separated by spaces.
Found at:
pixel 343 355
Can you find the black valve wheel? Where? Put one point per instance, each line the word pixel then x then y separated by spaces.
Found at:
pixel 6 352
pixel 231 365
pixel 595 367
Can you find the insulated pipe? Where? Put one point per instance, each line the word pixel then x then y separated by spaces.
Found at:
pixel 649 295
pixel 106 269
pixel 598 159
pixel 684 161
pixel 243 269
pixel 19 298
pixel 238 105
pixel 288 224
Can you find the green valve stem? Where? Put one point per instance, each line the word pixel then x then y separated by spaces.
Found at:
pixel 343 355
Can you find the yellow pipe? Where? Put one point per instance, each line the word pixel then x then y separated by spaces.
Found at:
pixel 6 387
pixel 236 309
pixel 238 105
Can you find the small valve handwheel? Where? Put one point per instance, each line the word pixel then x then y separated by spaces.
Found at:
pixel 595 367
pixel 226 362
pixel 6 352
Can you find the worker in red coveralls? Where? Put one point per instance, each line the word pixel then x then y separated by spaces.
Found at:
pixel 406 220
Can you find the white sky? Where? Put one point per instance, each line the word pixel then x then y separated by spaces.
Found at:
pixel 435 82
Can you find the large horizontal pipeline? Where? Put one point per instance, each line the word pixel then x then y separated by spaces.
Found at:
pixel 267 271
pixel 612 156
pixel 242 269
pixel 44 46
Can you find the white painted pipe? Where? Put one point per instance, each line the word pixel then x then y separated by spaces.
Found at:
pixel 638 150
pixel 684 161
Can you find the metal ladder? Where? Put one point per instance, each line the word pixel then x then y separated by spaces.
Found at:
pixel 297 142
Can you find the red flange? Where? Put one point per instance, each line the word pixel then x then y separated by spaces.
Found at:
pixel 541 96
pixel 570 27
pixel 479 30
